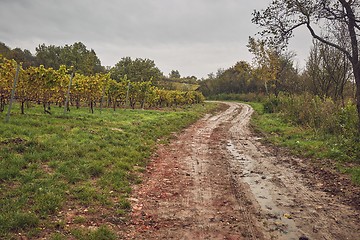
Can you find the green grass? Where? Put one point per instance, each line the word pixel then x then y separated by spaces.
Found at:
pixel 51 163
pixel 302 141
pixel 102 233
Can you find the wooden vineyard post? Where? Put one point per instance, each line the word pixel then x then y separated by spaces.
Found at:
pixel 68 93
pixel 127 95
pixel 13 93
pixel 102 99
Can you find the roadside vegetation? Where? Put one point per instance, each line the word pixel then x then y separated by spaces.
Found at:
pixel 322 132
pixel 307 126
pixel 70 175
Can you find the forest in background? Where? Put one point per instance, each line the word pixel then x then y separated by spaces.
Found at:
pixel 86 62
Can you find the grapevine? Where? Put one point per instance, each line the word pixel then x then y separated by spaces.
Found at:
pixel 48 87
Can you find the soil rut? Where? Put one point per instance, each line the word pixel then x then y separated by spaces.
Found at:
pixel 217 181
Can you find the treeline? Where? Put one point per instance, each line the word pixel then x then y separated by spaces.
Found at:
pixel 327 74
pixel 322 96
pixel 86 62
pixel 77 55
pixel 48 86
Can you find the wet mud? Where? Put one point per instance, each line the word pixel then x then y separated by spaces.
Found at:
pixel 216 180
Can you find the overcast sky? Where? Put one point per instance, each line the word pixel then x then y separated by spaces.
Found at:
pixel 195 37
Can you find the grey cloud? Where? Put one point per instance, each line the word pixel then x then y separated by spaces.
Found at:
pixel 171 31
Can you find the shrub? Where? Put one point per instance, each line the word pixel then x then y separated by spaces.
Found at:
pixel 243 97
pixel 325 117
pixel 271 105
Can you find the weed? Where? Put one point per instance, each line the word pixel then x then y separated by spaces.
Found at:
pixel 57 236
pixel 79 219
pixel 101 233
pixel 124 204
pixel 355 174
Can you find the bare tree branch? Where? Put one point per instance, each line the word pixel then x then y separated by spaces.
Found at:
pixel 323 40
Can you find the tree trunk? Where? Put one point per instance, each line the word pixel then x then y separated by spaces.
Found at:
pixel 2 104
pixel 77 103
pixel 356 71
pixel 91 106
pixel 142 104
pixel 22 107
pixel 47 108
pixel 356 68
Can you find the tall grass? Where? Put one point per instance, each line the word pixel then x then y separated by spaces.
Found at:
pixel 327 119
pixel 319 114
pixel 313 127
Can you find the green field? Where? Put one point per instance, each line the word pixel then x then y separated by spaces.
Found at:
pixel 58 172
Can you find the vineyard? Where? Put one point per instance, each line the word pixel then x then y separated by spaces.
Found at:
pixel 82 161
pixel 63 88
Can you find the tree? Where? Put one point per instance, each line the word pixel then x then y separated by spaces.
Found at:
pixel 282 17
pixel 49 56
pixel 329 71
pixel 137 70
pixel 272 66
pixel 84 61
pixel 174 74
pixel 21 56
pixel 4 50
pixel 236 79
pixel 77 55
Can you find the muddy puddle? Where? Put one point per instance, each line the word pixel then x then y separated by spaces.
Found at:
pixel 276 220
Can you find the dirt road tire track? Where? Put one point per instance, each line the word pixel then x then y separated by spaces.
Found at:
pixel 217 181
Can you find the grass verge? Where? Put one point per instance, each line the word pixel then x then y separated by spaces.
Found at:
pixel 69 176
pixel 303 141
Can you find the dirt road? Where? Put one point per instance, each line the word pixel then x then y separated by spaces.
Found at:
pixel 217 181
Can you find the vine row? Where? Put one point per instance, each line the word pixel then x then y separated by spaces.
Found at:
pixel 48 86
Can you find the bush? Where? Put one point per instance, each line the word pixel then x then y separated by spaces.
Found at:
pixel 271 105
pixel 243 97
pixel 325 117
pixel 348 119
